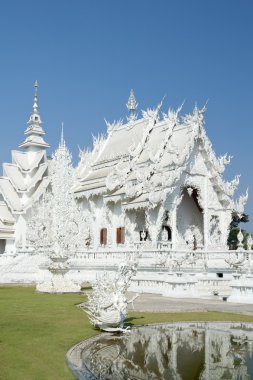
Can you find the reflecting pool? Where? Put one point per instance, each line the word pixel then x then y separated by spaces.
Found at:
pixel 181 351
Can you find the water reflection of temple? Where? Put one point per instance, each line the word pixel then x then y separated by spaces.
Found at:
pixel 181 352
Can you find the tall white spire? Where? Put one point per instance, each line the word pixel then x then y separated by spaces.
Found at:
pixel 35 119
pixel 132 106
pixel 35 102
pixel 34 131
pixel 62 143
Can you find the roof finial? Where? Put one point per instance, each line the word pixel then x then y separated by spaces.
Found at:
pixel 62 144
pixel 35 102
pixel 132 106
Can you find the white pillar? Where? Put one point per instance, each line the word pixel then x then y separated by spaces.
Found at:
pixel 174 226
pixel 205 215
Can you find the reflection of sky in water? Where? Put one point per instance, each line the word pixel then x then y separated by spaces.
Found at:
pixel 181 352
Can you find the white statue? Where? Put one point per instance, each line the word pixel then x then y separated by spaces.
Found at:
pixel 107 304
pixel 56 227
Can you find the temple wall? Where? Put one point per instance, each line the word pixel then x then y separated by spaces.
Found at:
pixel 20 233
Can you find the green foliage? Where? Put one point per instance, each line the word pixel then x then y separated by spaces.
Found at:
pixel 234 229
pixel 236 220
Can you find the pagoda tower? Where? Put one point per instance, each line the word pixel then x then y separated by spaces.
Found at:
pixel 23 182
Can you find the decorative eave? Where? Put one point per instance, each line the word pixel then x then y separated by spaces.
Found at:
pixel 89 193
pixel 37 194
pixel 7 234
pixel 18 181
pixel 34 129
pixel 140 202
pixel 10 195
pixel 31 141
pixel 21 159
pixel 5 215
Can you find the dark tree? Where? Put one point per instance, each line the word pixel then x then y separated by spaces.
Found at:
pixel 234 229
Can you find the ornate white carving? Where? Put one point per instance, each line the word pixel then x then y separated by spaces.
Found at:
pixel 114 125
pixel 214 231
pixel 240 203
pixel 249 242
pixel 57 226
pixel 193 236
pixel 196 119
pixel 240 238
pixel 132 107
pixel 107 304
pixel 222 161
pixel 231 186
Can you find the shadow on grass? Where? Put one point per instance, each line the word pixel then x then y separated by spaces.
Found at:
pixel 130 319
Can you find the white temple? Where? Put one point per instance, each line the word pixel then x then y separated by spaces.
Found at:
pixel 152 184
pixel 23 182
pixel 157 178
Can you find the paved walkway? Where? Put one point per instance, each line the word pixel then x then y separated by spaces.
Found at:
pixel 157 303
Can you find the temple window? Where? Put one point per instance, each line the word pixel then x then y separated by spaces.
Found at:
pixel 103 236
pixel 143 235
pixel 120 235
pixel 166 231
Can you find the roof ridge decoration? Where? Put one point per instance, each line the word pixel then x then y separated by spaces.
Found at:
pixel 157 177
pixel 219 164
pixel 145 184
pixel 240 203
pixel 114 125
pixel 117 177
pixel 132 106
pixel 35 119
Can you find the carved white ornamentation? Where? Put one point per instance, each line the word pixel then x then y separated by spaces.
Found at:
pixel 107 304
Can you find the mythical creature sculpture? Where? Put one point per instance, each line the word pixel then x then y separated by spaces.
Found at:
pixel 107 304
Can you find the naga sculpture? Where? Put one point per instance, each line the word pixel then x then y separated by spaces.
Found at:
pixel 107 304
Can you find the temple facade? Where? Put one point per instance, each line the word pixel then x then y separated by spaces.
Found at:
pixel 155 179
pixel 151 187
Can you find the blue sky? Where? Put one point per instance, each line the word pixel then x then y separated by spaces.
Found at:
pixel 87 55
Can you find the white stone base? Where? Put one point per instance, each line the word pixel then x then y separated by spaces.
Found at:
pixel 242 289
pixel 180 285
pixel 58 284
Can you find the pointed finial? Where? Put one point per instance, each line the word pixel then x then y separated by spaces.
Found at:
pixel 132 106
pixel 35 101
pixel 36 87
pixel 62 144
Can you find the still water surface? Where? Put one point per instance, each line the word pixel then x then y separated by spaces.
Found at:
pixel 206 351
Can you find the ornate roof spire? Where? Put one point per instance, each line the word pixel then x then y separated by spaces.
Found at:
pixel 35 119
pixel 62 143
pixel 34 131
pixel 132 106
pixel 35 101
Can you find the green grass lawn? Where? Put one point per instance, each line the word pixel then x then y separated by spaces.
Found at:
pixel 36 331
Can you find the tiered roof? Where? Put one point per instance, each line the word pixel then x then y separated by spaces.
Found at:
pixel 25 179
pixel 144 160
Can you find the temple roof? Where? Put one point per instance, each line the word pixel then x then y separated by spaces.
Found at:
pixel 27 162
pixel 25 179
pixel 34 131
pixel 20 183
pixel 5 215
pixel 149 156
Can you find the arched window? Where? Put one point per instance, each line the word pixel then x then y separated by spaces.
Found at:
pixel 120 235
pixel 103 236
